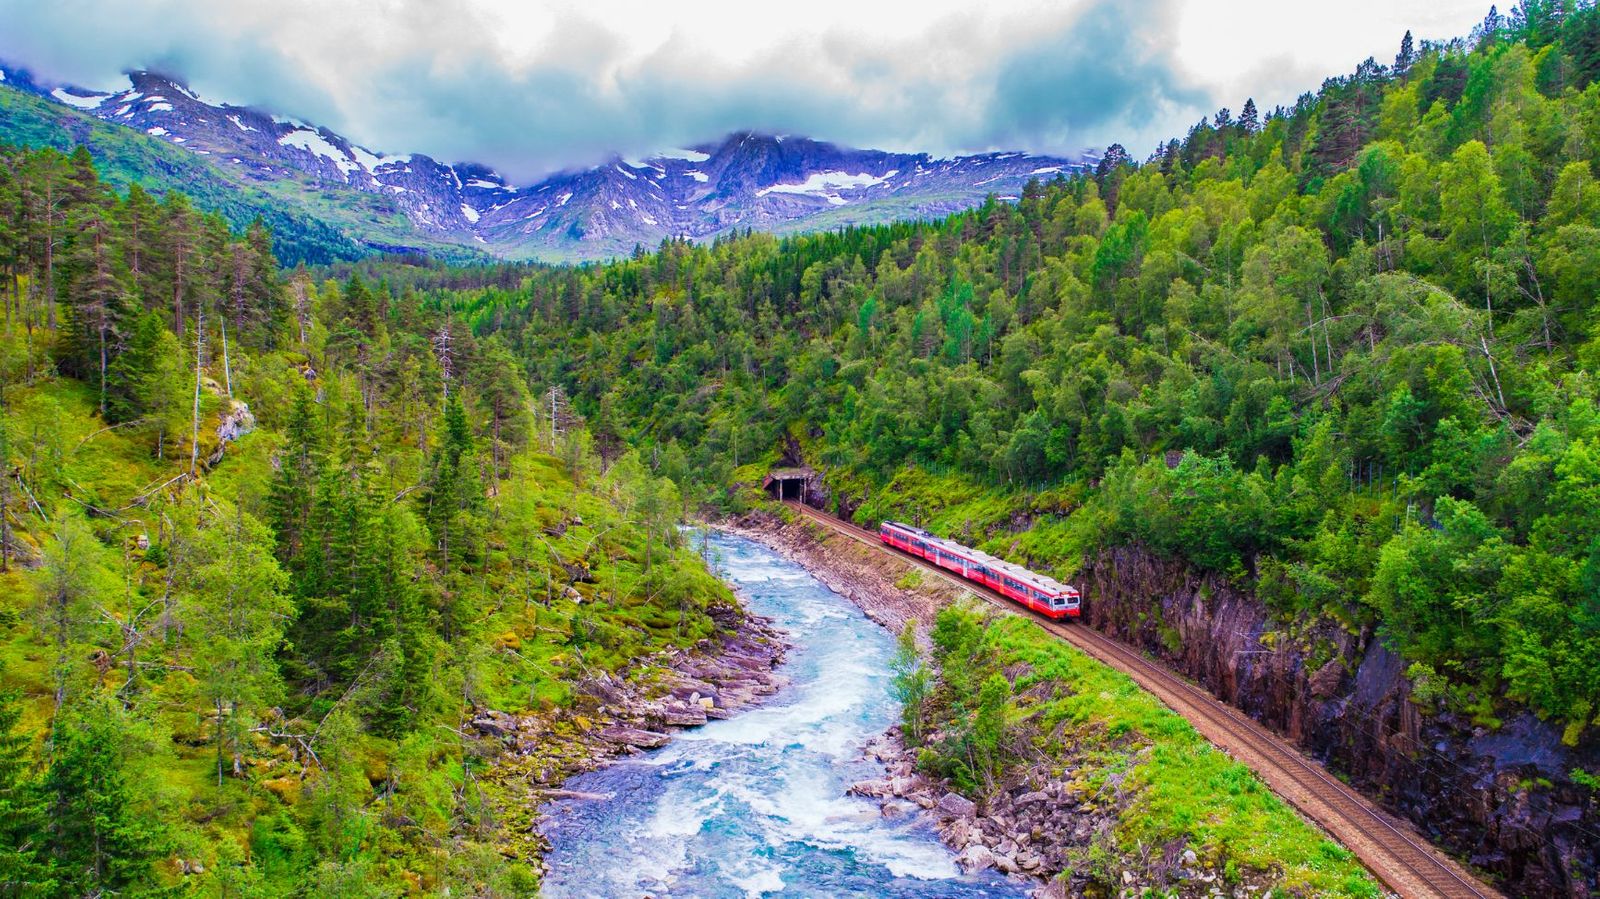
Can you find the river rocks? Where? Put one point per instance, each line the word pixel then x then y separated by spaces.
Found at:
pixel 954 805
pixel 681 714
pixel 629 736
pixel 975 858
pixel 872 789
pixel 495 724
pixel 616 715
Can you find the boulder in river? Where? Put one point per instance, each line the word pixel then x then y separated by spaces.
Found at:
pixel 977 857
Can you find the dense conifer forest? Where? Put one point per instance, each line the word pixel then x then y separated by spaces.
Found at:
pixel 1343 351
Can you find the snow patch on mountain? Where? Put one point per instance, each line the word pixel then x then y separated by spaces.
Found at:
pixel 824 183
pixel 373 161
pixel 92 101
pixel 315 143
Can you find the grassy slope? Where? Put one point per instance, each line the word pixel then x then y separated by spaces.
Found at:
pixel 1171 785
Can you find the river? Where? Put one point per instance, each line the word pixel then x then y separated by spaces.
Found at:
pixel 755 805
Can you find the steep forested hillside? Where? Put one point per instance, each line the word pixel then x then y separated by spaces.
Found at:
pixel 1343 352
pixel 265 546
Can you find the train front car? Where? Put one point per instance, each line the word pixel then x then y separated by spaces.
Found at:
pixel 1023 587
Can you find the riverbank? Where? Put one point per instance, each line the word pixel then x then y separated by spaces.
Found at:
pixel 1104 792
pixel 612 717
pixel 760 804
pixel 1026 830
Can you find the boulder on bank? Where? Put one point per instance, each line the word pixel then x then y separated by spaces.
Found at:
pixel 632 736
pixel 955 805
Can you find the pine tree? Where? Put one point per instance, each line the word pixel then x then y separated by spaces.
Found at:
pixel 1407 57
pixel 181 254
pixel 293 488
pixel 1249 118
pixel 264 291
pixel 1580 38
pixel 147 380
pixel 23 869
pixel 503 395
pixel 101 844
pixel 234 587
pixel 455 491
pixel 139 223
pixel 44 212
pixel 97 301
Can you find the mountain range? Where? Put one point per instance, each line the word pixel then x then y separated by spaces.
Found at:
pixel 411 202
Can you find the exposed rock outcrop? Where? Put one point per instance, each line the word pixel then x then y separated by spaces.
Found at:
pixel 1502 798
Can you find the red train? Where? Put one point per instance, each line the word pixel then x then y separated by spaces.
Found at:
pixel 1039 593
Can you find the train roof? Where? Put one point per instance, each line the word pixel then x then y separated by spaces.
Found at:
pixel 1032 578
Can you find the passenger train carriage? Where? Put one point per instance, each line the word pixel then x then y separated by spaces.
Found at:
pixel 1044 595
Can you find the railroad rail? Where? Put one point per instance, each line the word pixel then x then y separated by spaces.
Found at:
pixel 1391 849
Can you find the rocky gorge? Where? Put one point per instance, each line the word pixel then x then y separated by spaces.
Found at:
pixel 1503 797
pixel 1049 823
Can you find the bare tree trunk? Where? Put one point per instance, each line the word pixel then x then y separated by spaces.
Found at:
pixel 219 741
pixel 102 362
pixel 50 254
pixel 227 370
pixel 1311 329
pixel 199 346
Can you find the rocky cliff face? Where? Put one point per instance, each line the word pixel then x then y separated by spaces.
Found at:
pixel 1502 798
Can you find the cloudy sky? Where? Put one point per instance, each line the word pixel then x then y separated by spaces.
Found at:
pixel 530 87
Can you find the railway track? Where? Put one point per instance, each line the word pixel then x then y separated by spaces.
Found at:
pixel 1391 849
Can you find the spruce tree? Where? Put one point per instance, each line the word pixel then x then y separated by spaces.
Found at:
pixel 24 870
pixel 1249 117
pixel 97 301
pixel 139 224
pixel 293 487
pixel 101 844
pixel 455 491
pixel 1407 57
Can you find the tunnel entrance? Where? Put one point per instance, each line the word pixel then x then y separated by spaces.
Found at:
pixel 786 484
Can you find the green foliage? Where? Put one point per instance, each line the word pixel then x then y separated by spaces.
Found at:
pixel 1170 786
pixel 911 684
pixel 22 810
pixel 100 840
pixel 1343 354
pixel 250 678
